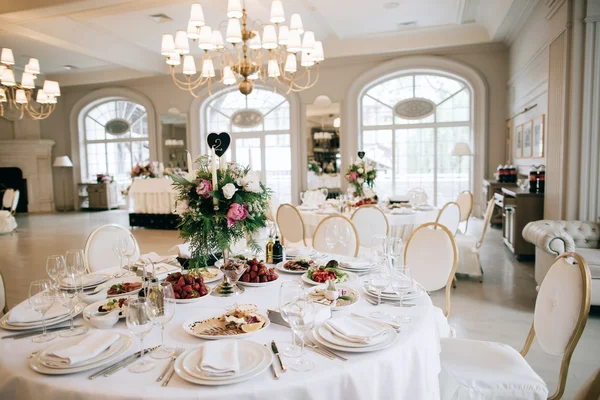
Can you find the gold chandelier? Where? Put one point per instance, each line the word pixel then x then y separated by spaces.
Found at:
pixel 272 59
pixel 19 97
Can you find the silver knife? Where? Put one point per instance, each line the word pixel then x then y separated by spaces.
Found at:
pixel 276 352
pixel 130 361
pixel 118 363
pixel 38 331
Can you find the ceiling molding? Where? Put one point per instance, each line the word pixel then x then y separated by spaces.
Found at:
pixel 553 7
pixel 515 20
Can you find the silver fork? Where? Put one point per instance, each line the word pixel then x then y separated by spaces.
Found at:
pixel 324 350
pixel 172 370
pixel 177 353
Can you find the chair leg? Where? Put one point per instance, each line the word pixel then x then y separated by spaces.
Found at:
pixel 480 268
pixel 454 280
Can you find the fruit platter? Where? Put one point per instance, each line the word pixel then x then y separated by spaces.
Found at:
pixel 298 266
pixel 119 289
pixel 241 321
pixel 187 287
pixel 324 273
pixel 257 274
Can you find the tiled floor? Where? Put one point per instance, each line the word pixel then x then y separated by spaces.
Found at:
pixel 499 309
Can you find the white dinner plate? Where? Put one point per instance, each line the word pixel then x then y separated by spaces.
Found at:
pixel 250 356
pixel 37 366
pixel 338 286
pixel 279 267
pixel 236 379
pixel 332 338
pixel 351 277
pixel 390 340
pixel 92 308
pixel 109 352
pixel 90 281
pixel 187 301
pixel 187 327
pixel 129 279
pixel 418 292
pixel 16 327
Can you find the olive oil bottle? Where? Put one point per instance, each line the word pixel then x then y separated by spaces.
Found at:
pixel 269 250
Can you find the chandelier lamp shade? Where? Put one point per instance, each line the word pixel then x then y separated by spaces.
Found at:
pixel 239 52
pixel 20 96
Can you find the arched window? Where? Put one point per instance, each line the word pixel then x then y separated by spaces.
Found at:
pixel 115 138
pixel 410 124
pixel 259 125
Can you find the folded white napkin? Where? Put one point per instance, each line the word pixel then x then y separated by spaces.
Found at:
pixel 354 329
pixel 299 251
pixel 89 347
pixel 183 250
pixel 23 313
pixel 220 358
pixel 152 256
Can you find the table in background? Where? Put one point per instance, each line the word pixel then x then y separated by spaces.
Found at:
pixel 152 203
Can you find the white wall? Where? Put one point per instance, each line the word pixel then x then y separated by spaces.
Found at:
pixel 336 76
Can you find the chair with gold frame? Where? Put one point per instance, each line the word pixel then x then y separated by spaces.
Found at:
pixel 369 221
pixel 320 244
pixel 477 369
pixel 291 224
pixel 98 249
pixel 3 303
pixel 449 216
pixel 465 203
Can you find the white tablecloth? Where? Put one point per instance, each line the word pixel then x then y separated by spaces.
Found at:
pixel 400 225
pixel 407 370
pixel 323 181
pixel 152 196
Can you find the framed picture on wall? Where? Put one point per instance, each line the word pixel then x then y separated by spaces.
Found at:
pixel 537 150
pixel 518 141
pixel 508 141
pixel 527 139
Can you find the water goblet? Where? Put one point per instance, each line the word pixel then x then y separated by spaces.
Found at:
pixel 402 283
pixel 139 322
pixel 301 317
pixel 68 294
pixel 119 248
pixel 162 298
pixel 130 247
pixel 56 268
pixel 344 236
pixel 75 262
pixel 379 280
pixel 379 247
pixel 41 298
pixel 289 292
pixel 331 236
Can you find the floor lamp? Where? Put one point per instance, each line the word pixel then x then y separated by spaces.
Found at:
pixel 63 162
pixel 460 150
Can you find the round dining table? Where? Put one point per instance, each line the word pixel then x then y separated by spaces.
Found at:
pixel 401 225
pixel 408 369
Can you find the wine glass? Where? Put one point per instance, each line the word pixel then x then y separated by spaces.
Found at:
pixel 119 248
pixel 75 262
pixel 162 298
pixel 379 280
pixel 129 246
pixel 301 317
pixel 139 322
pixel 41 298
pixel 56 268
pixel 331 236
pixel 68 294
pixel 402 283
pixel 344 236
pixel 379 247
pixel 395 251
pixel 289 292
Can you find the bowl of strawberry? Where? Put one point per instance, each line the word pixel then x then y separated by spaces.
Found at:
pixel 257 274
pixel 187 287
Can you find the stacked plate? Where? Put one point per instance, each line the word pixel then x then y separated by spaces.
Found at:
pixel 90 281
pixel 254 359
pixel 326 336
pixel 23 326
pixel 355 265
pixel 42 363
pixel 390 295
pixel 300 252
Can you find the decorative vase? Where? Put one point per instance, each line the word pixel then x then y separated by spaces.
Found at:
pixel 228 286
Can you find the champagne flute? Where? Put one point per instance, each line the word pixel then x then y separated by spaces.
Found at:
pixel 75 262
pixel 402 283
pixel 301 317
pixel 56 268
pixel 139 322
pixel 162 298
pixel 289 292
pixel 68 294
pixel 41 298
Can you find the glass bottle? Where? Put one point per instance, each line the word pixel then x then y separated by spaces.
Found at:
pixel 277 250
pixel 269 250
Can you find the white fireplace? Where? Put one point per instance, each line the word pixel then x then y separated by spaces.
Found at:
pixel 34 158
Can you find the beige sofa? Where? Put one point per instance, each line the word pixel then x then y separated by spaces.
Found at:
pixel 553 238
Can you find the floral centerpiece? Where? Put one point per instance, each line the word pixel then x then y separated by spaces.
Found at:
pixel 218 206
pixel 143 171
pixel 361 173
pixel 314 167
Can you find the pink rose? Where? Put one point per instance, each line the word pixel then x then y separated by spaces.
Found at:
pixel 236 212
pixel 204 188
pixel 352 176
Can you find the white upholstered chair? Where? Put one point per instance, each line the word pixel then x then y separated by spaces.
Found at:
pixel 591 388
pixel 10 200
pixel 449 216
pixel 465 203
pixel 468 248
pixel 3 304
pixel 369 221
pixel 98 247
pixel 291 225
pixel 319 243
pixel 473 369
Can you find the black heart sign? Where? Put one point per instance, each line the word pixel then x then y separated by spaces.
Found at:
pixel 220 141
pixel 361 154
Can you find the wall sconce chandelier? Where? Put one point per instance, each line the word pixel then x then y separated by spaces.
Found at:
pixel 19 96
pixel 271 58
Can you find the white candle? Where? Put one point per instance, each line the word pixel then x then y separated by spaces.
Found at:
pixel 250 159
pixel 222 166
pixel 214 168
pixel 189 162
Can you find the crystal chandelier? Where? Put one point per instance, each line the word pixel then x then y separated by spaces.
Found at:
pixel 272 58
pixel 19 97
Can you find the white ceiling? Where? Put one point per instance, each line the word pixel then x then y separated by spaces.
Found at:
pixel 96 35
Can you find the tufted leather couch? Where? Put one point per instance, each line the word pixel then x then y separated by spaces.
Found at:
pixel 553 238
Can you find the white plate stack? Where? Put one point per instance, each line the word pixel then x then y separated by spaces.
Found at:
pixel 90 281
pixel 5 321
pixel 354 334
pixel 253 359
pixel 389 295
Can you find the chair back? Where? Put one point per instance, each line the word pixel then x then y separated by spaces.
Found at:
pixel 3 305
pixel 432 256
pixel 561 311
pixel 7 198
pixel 369 221
pixel 486 221
pixel 449 216
pixel 99 247
pixel 465 202
pixel 291 224
pixel 15 202
pixel 320 244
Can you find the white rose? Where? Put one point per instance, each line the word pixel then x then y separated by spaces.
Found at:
pixel 229 190
pixel 243 181
pixel 182 207
pixel 360 170
pixel 360 181
pixel 253 186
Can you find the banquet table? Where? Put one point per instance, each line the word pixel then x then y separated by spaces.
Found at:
pixel 406 370
pixel 401 225
pixel 152 196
